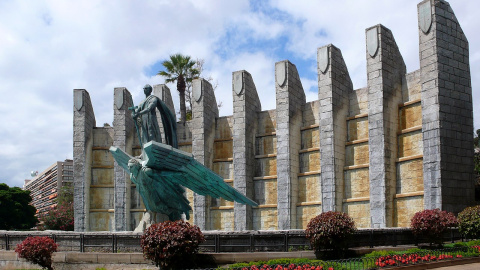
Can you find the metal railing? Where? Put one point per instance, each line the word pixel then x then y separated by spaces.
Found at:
pixel 253 241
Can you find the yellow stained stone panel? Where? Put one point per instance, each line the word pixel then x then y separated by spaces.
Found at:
pixel 266 166
pixel 223 129
pixel 265 219
pixel 306 213
pixel 310 138
pixel 414 87
pixel 222 219
pixel 135 218
pixel 216 202
pixel 311 113
pixel 184 132
pixel 310 161
pixel 266 145
pixel 102 137
pixel 405 208
pixel 223 149
pixel 100 221
pixel 136 201
pixel 102 158
pixel 410 176
pixel 309 188
pixel 186 148
pixel 101 198
pixel 266 122
pixel 357 183
pixel 410 144
pixel 102 176
pixel 224 169
pixel 358 102
pixel 357 129
pixel 357 154
pixel 410 116
pixel 359 212
pixel 265 191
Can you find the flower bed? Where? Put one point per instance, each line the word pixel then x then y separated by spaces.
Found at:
pixel 376 260
pixel 400 260
pixel 289 267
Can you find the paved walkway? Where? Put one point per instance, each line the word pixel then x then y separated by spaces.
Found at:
pixel 472 266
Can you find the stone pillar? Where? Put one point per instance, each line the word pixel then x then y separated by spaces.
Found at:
pixel 385 75
pixel 334 87
pixel 205 112
pixel 83 124
pixel 290 99
pixel 163 92
pixel 246 106
pixel 123 136
pixel 447 112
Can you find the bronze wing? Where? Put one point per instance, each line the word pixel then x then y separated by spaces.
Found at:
pixel 193 174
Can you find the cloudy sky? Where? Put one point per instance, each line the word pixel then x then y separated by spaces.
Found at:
pixel 49 48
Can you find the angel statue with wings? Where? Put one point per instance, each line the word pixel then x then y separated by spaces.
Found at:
pixel 162 171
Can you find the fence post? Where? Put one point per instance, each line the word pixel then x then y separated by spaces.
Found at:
pixel 7 242
pixel 54 237
pixel 114 246
pixel 82 244
pixel 371 238
pixel 252 243
pixel 394 238
pixel 217 243
pixel 285 242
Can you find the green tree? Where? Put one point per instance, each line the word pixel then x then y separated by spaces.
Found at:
pixel 61 216
pixel 179 69
pixel 65 195
pixel 16 213
pixel 197 72
pixel 476 140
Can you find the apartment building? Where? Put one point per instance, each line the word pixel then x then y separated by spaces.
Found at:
pixel 45 186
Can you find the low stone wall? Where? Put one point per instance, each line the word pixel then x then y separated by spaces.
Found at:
pixel 80 261
pixel 217 241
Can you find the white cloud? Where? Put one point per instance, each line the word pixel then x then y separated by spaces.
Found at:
pixel 48 48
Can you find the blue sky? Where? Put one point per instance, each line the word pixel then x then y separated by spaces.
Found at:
pixel 50 47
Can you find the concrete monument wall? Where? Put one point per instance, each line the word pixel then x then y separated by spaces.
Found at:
pixel 380 153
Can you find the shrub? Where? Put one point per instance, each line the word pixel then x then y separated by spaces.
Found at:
pixel 432 224
pixel 170 245
pixel 59 218
pixel 469 222
pixel 37 250
pixel 330 231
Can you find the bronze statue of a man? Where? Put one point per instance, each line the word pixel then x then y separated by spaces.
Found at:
pixel 146 117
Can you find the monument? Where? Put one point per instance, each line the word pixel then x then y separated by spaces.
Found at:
pixel 161 171
pixel 380 153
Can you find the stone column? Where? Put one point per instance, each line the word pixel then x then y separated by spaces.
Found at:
pixel 246 106
pixel 447 112
pixel 290 99
pixel 334 87
pixel 123 136
pixel 163 92
pixel 385 74
pixel 205 112
pixel 83 124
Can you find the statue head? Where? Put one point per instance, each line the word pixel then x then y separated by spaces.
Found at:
pixel 147 89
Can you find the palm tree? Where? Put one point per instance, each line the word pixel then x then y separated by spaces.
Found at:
pixel 180 69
